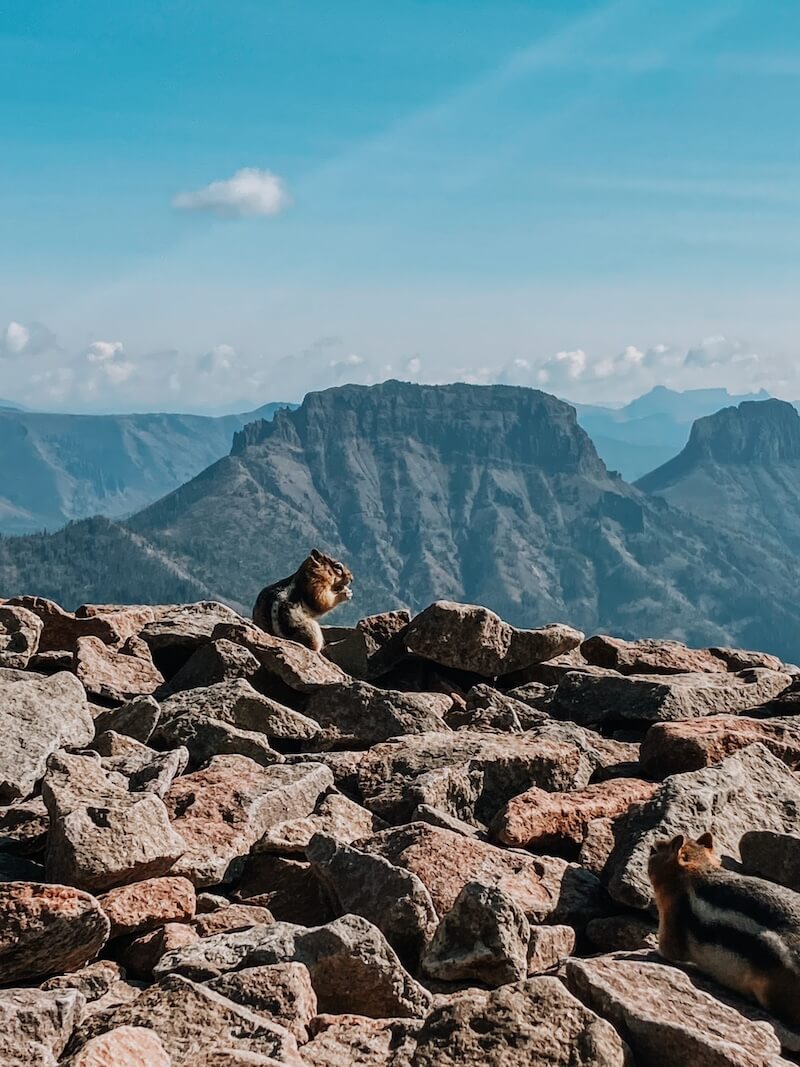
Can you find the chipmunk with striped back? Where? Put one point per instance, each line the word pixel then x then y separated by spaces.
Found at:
pixel 290 608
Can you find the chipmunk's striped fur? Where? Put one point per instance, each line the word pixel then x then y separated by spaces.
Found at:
pixel 290 608
pixel 744 932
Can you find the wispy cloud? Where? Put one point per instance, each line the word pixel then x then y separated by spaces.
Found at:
pixel 250 192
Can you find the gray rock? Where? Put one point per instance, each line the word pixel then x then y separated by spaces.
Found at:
pixel 38 716
pixel 361 714
pixel 356 1041
pixel 211 664
pixel 204 737
pixel 549 946
pixel 334 815
pixel 295 665
pixel 281 991
pixel 187 627
pixel 137 718
pixel 35 1026
pixel 236 702
pixel 146 770
pixel 23 826
pixel 117 675
pixel 488 709
pixel 19 636
pixel 771 855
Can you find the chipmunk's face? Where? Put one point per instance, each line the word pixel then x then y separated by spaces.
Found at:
pixel 680 852
pixel 336 575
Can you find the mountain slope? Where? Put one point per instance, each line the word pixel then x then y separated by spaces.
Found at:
pixel 57 468
pixel 488 494
pixel 740 468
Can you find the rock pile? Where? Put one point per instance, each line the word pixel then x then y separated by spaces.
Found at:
pixel 425 846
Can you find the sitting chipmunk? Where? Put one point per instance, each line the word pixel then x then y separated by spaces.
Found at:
pixel 290 608
pixel 742 931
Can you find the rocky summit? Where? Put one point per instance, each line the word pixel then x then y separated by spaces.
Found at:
pixel 425 845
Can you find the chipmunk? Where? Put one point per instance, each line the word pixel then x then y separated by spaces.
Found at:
pixel 290 608
pixel 742 931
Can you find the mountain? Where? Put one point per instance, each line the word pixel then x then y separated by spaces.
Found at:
pixel 651 429
pixel 740 468
pixel 57 468
pixel 8 405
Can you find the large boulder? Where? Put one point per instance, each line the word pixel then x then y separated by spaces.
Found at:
pixel 35 1026
pixel 358 713
pixel 124 1046
pixel 675 747
pixel 20 630
pixel 133 909
pixel 62 629
pixel 772 855
pixel 116 675
pixel 38 716
pixel 296 666
pixel 650 657
pixel 236 702
pixel 472 638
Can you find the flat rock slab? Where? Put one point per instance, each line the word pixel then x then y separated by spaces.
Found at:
pixel 537 818
pixel 115 675
pixel 357 1041
pixel 125 1046
pixel 38 716
pixel 533 1023
pixel 295 665
pixel 35 1026
pixel 133 909
pixel 652 657
pixel 236 702
pixel 592 700
pixel 222 810
pixel 751 790
pixel 472 638
pixel 361 714
pixel 20 630
pixel 283 992
pixel 675 747
pixel 665 1018
pixel 62 629
pixel 188 626
pixel 45 929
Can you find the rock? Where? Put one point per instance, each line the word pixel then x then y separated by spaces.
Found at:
pixel 358 713
pixel 334 815
pixel 137 718
pixel 191 1019
pixel 739 659
pixel 751 790
pixel 390 897
pixel 62 629
pixel 146 770
pixel 675 747
pixel 665 1019
pixel 533 1023
pixel 176 633
pixel 343 766
pixel 47 928
pixel 379 629
pixel 133 909
pixel 127 619
pixel 93 981
pixel 592 700
pixel 231 917
pixel 622 933
pixel 772 855
pixel 543 887
pixel 20 630
pixel 597 846
pixel 429 814
pixel 239 704
pixel 204 738
pixel 23 826
pixel 52 662
pixel 491 768
pixel 144 952
pixel 295 665
pixel 356 1041
pixel 108 843
pixel 76 778
pixel 549 946
pixel 537 819
pixel 483 938
pixel 211 664
pixel 651 657
pixel 552 671
pixel 470 637
pixel 223 809
pixel 19 869
pixel 113 675
pixel 38 716
pixel 125 1046
pixel 228 1057
pixel 288 887
pixel 35 1026
pixel 488 709
pixel 281 991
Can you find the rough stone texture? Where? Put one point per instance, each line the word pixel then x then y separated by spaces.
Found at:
pixel 46 929
pixel 231 917
pixel 665 1018
pixel 145 770
pixel 536 818
pixel 675 747
pixel 20 630
pixel 223 809
pixel 35 1026
pixel 533 1023
pixel 740 659
pixel 334 815
pixel 281 991
pixel 74 779
pixel 652 657
pixel 592 700
pixel 751 790
pixel 205 737
pixel 108 843
pixel 186 627
pixel 214 663
pixel 62 629
pixel 622 933
pixel 772 855
pixel 133 909
pixel 487 709
pixel 543 886
pixel 236 702
pixel 288 887
pixel 392 898
pixel 137 718
pixel 115 675
pixel 549 946
pixel 295 665
pixel 125 1046
pixel 190 1019
pixel 38 716
pixel 597 846
pixel 483 938
pixel 357 1041
pixel 228 1057
pixel 93 981
pixel 359 713
pixel 144 952
pixel 470 637
pixel 23 826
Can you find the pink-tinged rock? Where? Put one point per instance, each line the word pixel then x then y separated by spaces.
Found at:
pixel 46 929
pixel 649 657
pixel 675 747
pixel 20 630
pixel 358 1041
pixel 125 1046
pixel 334 815
pixel 741 659
pixel 35 1026
pixel 133 909
pixel 144 952
pixel 116 675
pixel 536 818
pixel 128 619
pixel 281 991
pixel 232 917
pixel 62 629
pixel 93 980
pixel 298 667
pixel 548 947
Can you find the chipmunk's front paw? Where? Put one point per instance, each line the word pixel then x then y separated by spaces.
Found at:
pixel 348 593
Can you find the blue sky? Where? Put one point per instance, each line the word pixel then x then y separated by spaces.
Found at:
pixel 585 197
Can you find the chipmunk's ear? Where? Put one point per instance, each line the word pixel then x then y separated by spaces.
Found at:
pixel 676 844
pixel 706 840
pixel 316 555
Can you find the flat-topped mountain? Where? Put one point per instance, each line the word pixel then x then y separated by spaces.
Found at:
pixel 741 468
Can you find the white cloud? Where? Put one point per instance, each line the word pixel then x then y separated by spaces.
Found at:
pixel 350 360
pixel 102 351
pixel 562 368
pixel 719 351
pixel 221 358
pixel 26 339
pixel 413 368
pixel 248 193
